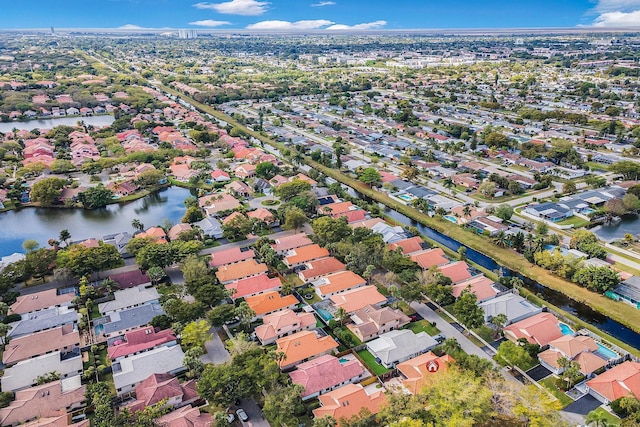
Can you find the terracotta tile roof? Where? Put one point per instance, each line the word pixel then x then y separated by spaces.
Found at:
pixel 25 347
pixel 322 267
pixel 338 208
pixel 186 416
pixel 429 258
pixel 153 232
pixel 291 242
pixel 368 223
pixel 139 340
pixel 347 401
pixel 56 421
pixel 303 177
pixel 369 320
pixel 456 271
pixel 337 282
pixel 177 230
pixel 571 346
pixel 218 202
pixel 416 373
pixel 270 302
pixel 253 285
pixel 233 216
pixel 40 300
pixel 325 372
pixel 617 382
pixel 47 400
pixel 358 298
pixel 262 214
pixel 305 254
pixel 281 322
pixel 588 361
pixel 479 285
pixel 304 345
pixel 231 272
pixel 410 245
pixel 165 386
pixel 230 256
pixel 539 329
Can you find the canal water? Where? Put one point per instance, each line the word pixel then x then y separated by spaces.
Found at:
pixel 105 120
pixel 42 224
pixel 580 310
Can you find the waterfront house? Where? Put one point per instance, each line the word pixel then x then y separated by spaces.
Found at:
pixel 429 258
pixel 482 286
pixel 511 305
pixel 211 227
pixel 579 349
pixel 456 271
pixel 408 246
pixel 539 329
pixel 620 381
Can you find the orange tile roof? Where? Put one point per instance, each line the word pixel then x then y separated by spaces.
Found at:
pixel 304 345
pixel 456 271
pixel 305 254
pixel 283 320
pixel 358 298
pixel 291 242
pixel 341 281
pixel 253 285
pixel 270 302
pixel 429 258
pixel 479 285
pixel 412 244
pixel 231 272
pixel 539 329
pixel 322 267
pixel 230 256
pixel 262 214
pixel 347 401
pixel 617 382
pixel 416 373
pixel 325 372
pixel 338 208
pixel 572 346
pixel 25 347
pixel 40 300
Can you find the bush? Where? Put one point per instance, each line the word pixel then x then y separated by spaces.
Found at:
pixel 12 318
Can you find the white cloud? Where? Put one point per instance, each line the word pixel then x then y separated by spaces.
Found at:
pixel 236 7
pixel 363 26
pixel 618 19
pixel 323 3
pixel 604 6
pixel 209 23
pixel 131 27
pixel 309 24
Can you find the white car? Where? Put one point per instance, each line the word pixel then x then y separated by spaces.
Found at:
pixel 242 416
pixel 231 418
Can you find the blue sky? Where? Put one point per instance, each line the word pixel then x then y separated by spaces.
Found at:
pixel 319 14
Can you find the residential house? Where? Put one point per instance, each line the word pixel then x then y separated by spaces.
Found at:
pixel 326 373
pixel 408 246
pixel 282 323
pixel 42 320
pixel 44 401
pixel 25 374
pixel 220 176
pixel 211 227
pixel 303 346
pixel 175 231
pixel 299 256
pixel 336 283
pixel 456 271
pixel 490 225
pixel 358 298
pixel 482 286
pixel 539 329
pixel 123 189
pixel 129 279
pixel 549 211
pixel 158 387
pixel 347 401
pixel 319 268
pixel 422 370
pixel 265 216
pixel 231 255
pixel 270 302
pixel 119 240
pixel 429 258
pixel 129 298
pixel 245 170
pixel 253 286
pixel 620 381
pixel 119 322
pixel 183 173
pixel 284 244
pixel 128 372
pixel 241 270
pixel 580 349
pixel 30 303
pixel 213 204
pixel 465 180
pixel 370 322
pixel 140 340
pixel 511 305
pixel 400 345
pixel 186 416
pixel 63 339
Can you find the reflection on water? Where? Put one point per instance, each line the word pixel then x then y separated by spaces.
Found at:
pixel 42 224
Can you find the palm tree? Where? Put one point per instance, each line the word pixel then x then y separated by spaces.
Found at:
pixel 448 183
pixel 64 236
pixel 597 419
pixel 500 239
pixel 410 173
pixel 137 224
pixel 451 346
pixel 466 211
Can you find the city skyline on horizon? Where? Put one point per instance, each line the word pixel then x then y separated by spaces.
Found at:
pixel 323 15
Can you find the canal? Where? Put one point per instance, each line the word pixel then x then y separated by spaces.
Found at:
pixel 105 120
pixel 42 224
pixel 578 309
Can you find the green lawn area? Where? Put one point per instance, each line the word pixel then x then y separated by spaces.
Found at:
pixel 612 420
pixel 293 279
pixel 406 308
pixel 370 361
pixel 549 384
pixel 576 221
pixel 309 291
pixel 596 166
pixel 485 332
pixel 422 326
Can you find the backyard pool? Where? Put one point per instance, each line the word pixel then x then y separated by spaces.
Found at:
pixel 566 329
pixel 325 314
pixel 451 218
pixel 343 360
pixel 405 197
pixel 587 211
pixel 606 352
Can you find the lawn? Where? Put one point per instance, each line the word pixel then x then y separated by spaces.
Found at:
pixel 406 308
pixel 549 384
pixel 370 361
pixel 423 326
pixel 485 332
pixel 612 420
pixel 576 221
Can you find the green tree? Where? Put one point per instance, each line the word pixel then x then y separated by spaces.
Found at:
pixel 294 218
pixel 96 197
pixel 267 170
pixel 64 236
pixel 156 274
pixel 245 313
pixel 328 230
pixel 137 224
pixel 238 228
pixel 60 166
pixel 193 214
pixel 193 363
pixel 150 178
pixel 221 314
pixel 488 189
pixel 504 211
pixel 598 279
pixel 513 354
pixel 468 311
pixel 569 187
pixel 289 190
pixel 30 245
pixel 195 334
pixel 370 176
pixel 47 191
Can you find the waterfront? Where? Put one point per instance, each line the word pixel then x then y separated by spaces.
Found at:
pixel 105 120
pixel 42 224
pixel 628 224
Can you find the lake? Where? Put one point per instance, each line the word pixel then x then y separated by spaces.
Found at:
pixel 628 224
pixel 42 224
pixel 105 120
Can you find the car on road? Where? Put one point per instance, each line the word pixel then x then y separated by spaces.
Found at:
pixel 242 416
pixel 439 338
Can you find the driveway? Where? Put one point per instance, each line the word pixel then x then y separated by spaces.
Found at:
pixel 583 406
pixel 256 419
pixel 256 203
pixel 216 351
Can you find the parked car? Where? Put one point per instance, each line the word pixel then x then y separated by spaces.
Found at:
pixel 231 418
pixel 439 338
pixel 242 416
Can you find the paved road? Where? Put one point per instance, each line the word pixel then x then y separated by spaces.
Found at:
pixel 449 331
pixel 216 351
pixel 256 419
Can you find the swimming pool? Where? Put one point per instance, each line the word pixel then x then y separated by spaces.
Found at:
pixel 98 330
pixel 451 218
pixel 405 197
pixel 587 211
pixel 343 360
pixel 566 329
pixel 325 314
pixel 606 352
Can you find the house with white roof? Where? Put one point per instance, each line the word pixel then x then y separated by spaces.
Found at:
pixel 397 346
pixel 129 298
pixel 25 374
pixel 131 371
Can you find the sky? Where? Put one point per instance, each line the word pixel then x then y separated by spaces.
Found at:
pixel 329 15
